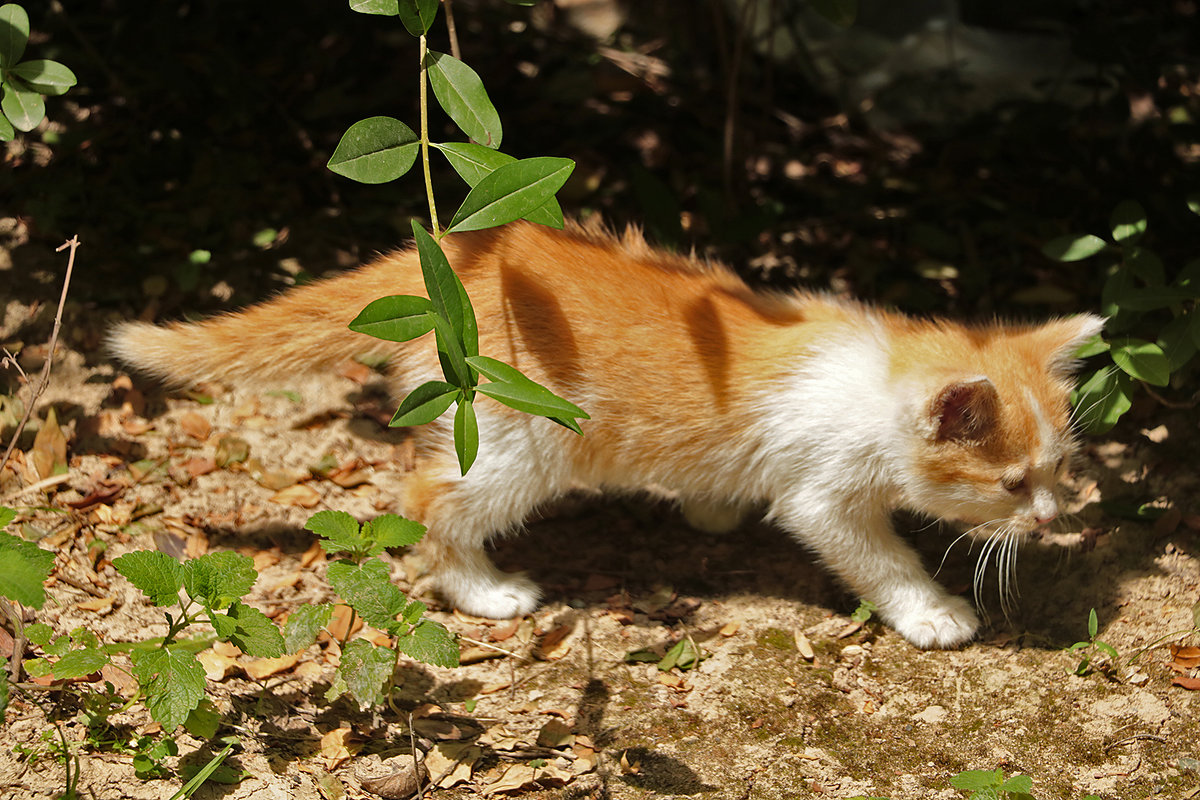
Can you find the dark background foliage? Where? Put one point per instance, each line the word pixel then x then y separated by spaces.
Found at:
pixel 206 126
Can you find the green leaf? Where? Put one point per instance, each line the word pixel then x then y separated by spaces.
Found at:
pixel 78 663
pixel 47 77
pixel 156 574
pixel 1102 399
pixel 375 150
pixel 397 318
pixel 173 682
pixel 1018 783
pixel 1193 202
pixel 256 634
pixel 1093 624
pixel 24 107
pixel 474 162
pixel 461 95
pixel 304 624
pixel 1073 248
pixel 531 392
pixel 418 15
pixel 24 568
pixel 7 131
pixel 1109 651
pixel 386 8
pixel 14 34
pixel 217 579
pixel 203 721
pixel 1143 360
pixel 1146 265
pixel 450 353
pixel 1152 297
pixel 466 434
pixel 413 612
pixel 7 515
pixel 1175 339
pixel 338 531
pixel 1094 346
pixel 510 192
pixel 841 13
pixel 430 643
pixel 440 281
pixel 367 587
pixel 392 530
pixel 39 633
pixel 1128 221
pixel 684 655
pixel 424 404
pixel 975 780
pixel 363 673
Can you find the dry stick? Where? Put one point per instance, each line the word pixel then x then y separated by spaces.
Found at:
pixel 452 30
pixel 72 243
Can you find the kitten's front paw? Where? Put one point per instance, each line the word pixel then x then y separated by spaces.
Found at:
pixel 948 621
pixel 513 596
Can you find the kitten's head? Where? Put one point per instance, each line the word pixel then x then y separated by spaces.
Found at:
pixel 993 421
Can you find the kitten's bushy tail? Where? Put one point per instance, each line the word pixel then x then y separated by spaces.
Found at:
pixel 299 332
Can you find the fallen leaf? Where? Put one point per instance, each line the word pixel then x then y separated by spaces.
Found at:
pixel 804 646
pixel 341 619
pixel 628 766
pixel 1191 684
pixel 101 605
pixel 555 734
pixel 261 668
pixel 49 453
pixel 731 628
pixel 195 426
pixel 474 655
pixel 1185 657
pixel 136 427
pixel 231 450
pixel 585 756
pixel 338 746
pixel 266 558
pixel 504 631
pixel 492 688
pixel 102 492
pixel 450 763
pixel 216 666
pixel 402 783
pixel 516 778
pixel 199 465
pixel 661 598
pixel 555 644
pixel 300 495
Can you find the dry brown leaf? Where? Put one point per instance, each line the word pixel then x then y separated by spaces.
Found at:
pixel 49 453
pixel 300 495
pixel 804 646
pixel 1191 684
pixel 101 605
pixel 474 655
pixel 136 427
pixel 199 465
pixel 1185 657
pixel 265 667
pixel 342 617
pixel 231 450
pixel 401 784
pixel 731 628
pixel 517 778
pixel 266 558
pixel 195 426
pixel 287 582
pixel 629 766
pixel 451 763
pixel 585 756
pixel 555 734
pixel 504 631
pixel 338 746
pixel 492 688
pixel 313 554
pixel 555 644
pixel 217 666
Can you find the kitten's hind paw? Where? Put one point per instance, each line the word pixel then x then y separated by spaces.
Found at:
pixel 505 598
pixel 945 622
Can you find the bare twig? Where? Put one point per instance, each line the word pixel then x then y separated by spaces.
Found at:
pixel 452 30
pixel 44 381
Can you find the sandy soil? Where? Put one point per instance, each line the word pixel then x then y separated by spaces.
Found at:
pixel 791 700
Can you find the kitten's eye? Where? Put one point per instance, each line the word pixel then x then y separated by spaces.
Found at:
pixel 1015 483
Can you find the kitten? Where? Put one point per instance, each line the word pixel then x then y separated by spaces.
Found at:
pixel 828 413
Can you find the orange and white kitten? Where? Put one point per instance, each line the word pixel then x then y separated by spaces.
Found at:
pixel 829 414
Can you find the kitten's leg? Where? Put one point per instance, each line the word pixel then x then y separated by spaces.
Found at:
pixel 881 567
pixel 462 514
pixel 712 516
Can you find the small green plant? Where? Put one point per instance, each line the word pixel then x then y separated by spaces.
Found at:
pixel 991 785
pixel 1093 646
pixel 866 609
pixel 362 580
pixel 24 84
pixel 502 189
pixel 1139 301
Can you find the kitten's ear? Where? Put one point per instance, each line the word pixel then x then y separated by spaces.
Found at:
pixel 965 411
pixel 1060 339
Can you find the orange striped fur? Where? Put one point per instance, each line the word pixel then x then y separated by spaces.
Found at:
pixel 825 414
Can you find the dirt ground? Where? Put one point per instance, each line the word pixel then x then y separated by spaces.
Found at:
pixel 791 700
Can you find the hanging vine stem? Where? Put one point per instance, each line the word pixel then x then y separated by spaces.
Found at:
pixel 424 98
